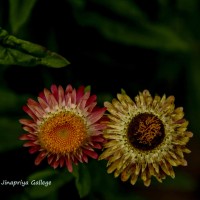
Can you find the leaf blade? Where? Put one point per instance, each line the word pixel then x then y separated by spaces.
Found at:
pixel 19 13
pixel 15 51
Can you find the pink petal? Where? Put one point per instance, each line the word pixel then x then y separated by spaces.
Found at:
pixel 27 137
pixel 35 107
pixel 73 96
pixel 80 93
pixel 50 159
pixel 69 164
pixel 54 91
pixel 42 96
pixel 85 158
pixel 51 100
pixel 24 137
pixel 36 113
pixel 97 146
pixel 97 139
pixel 96 127
pixel 79 157
pixel 40 157
pixel 60 95
pixel 55 164
pixel 43 103
pixel 90 107
pixel 91 99
pixel 34 149
pixel 69 89
pixel 62 161
pixel 29 144
pixel 90 153
pixel 28 129
pixel 30 113
pixel 83 100
pixel 68 100
pixel 28 122
pixel 48 97
pixel 95 116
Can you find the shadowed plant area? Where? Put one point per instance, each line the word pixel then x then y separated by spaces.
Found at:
pixel 99 100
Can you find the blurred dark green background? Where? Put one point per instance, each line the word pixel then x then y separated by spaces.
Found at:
pixel 111 44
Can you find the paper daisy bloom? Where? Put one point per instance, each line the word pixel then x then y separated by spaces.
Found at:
pixel 65 126
pixel 146 137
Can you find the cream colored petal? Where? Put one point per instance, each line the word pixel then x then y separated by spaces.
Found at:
pixel 114 119
pixel 151 169
pixel 137 169
pixel 107 153
pixel 185 150
pixel 134 178
pixel 117 155
pixel 118 106
pixel 147 182
pixel 144 166
pixel 171 160
pixel 123 101
pixel 114 166
pixel 163 99
pixel 156 167
pixel 125 175
pixel 188 134
pixel 156 102
pixel 164 167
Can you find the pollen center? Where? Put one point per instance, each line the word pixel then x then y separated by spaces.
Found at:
pixel 146 131
pixel 62 133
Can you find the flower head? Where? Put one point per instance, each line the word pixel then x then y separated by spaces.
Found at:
pixel 65 126
pixel 146 137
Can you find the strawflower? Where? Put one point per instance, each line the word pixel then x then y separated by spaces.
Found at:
pixel 65 126
pixel 145 137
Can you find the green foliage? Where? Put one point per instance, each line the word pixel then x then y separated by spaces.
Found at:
pixel 53 180
pixel 10 130
pixel 82 180
pixel 14 51
pixel 87 88
pixel 135 30
pixel 10 100
pixel 20 11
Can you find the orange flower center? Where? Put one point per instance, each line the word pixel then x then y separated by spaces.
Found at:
pixel 62 133
pixel 146 131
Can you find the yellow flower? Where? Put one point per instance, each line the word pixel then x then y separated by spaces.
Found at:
pixel 146 137
pixel 65 127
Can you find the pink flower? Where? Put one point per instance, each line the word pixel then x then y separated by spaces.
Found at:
pixel 65 126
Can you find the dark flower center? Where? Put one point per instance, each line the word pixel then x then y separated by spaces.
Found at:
pixel 146 131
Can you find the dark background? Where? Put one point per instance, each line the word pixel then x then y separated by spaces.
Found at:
pixel 129 44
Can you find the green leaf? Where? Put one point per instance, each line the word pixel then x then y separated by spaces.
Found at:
pixel 14 51
pixel 52 180
pixel 123 8
pixel 9 134
pixel 87 88
pixel 146 35
pixel 10 101
pixel 19 13
pixel 133 28
pixel 82 180
pixel 44 174
pixel 188 6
